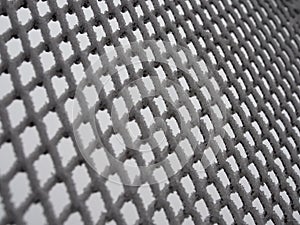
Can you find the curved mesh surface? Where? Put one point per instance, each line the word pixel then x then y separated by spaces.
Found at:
pixel 249 51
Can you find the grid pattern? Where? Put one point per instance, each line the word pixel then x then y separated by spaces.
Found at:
pixel 252 48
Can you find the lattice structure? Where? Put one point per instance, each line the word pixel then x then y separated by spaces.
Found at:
pixel 252 50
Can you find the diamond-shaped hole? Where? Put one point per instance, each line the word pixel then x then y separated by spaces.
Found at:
pixel 114 24
pixel 229 130
pixel 91 96
pixel 278 211
pixel 213 192
pixel 253 170
pixel 95 63
pixel 26 72
pixel 159 217
pixel 103 118
pixel 183 83
pixel 96 206
pixel 219 141
pixel 88 13
pixel 99 160
pixel 60 85
pixel 197 134
pixel 118 144
pixel 47 60
pixel 44 167
pixel 244 182
pixel 81 178
pixel 14 47
pixel 195 103
pixel 226 102
pixel 161 139
pixel 35 37
pixel 285 197
pixel 172 123
pixel 186 148
pixel 120 108
pixel 133 130
pixel 273 177
pixel 232 162
pixel 7 157
pixel 83 41
pixel 147 153
pixel 43 8
pixel 78 72
pixel 174 162
pixel 175 202
pixel 66 150
pixel 52 123
pixel 185 115
pixel 54 28
pixel 223 178
pixel 249 219
pixel 59 198
pixel 240 148
pixel 279 164
pixel 123 73
pixel 61 3
pixel 208 158
pixel 264 188
pixel 39 98
pixel 86 135
pixel 35 215
pixel 107 83
pixel 160 176
pixel 249 138
pixel 188 221
pixel 72 20
pixel 66 49
pixel 16 112
pixel 188 185
pixel 146 195
pixel 296 216
pixel 206 121
pixel 245 109
pixel 256 127
pixel 198 167
pixel 237 119
pixel 115 186
pixel 172 93
pixel 236 200
pixel 6 85
pixel 24 15
pixel 159 102
pixel 30 139
pixel 130 213
pixel 19 188
pixel 227 215
pixel 261 157
pixel 217 112
pixel 257 204
pixel 202 209
pixel 148 116
pixel 291 183
pixel 132 170
pixel 5 24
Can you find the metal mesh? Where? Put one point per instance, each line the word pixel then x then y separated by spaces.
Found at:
pixel 251 49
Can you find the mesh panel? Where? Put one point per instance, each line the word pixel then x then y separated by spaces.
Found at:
pixel 251 51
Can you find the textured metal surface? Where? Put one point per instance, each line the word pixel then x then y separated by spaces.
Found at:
pixel 252 50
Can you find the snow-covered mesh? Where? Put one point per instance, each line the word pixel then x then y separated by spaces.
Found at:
pixel 252 50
